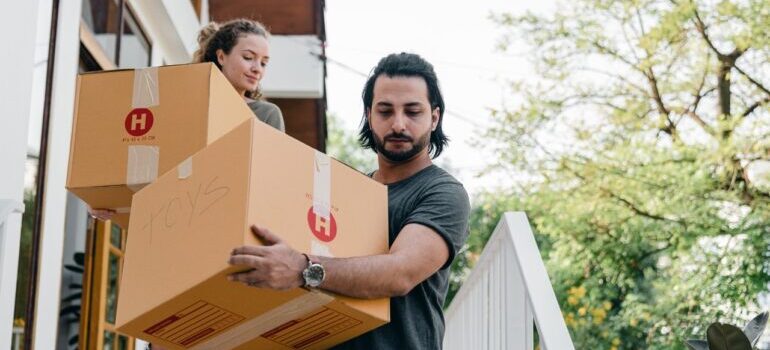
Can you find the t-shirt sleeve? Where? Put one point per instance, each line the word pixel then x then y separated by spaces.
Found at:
pixel 445 209
pixel 274 118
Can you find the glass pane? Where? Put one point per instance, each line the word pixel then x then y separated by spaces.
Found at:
pixel 134 46
pixel 112 289
pixel 109 340
pixel 122 342
pixel 102 17
pixel 115 235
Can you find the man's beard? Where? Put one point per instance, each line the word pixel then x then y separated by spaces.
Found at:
pixel 400 156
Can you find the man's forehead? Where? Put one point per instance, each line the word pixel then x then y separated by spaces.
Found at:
pixel 404 90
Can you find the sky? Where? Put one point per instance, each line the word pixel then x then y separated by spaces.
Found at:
pixel 458 38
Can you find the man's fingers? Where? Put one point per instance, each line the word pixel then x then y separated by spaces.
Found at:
pixel 246 260
pixel 265 236
pixel 249 250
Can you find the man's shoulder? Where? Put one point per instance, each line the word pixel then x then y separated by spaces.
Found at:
pixel 437 180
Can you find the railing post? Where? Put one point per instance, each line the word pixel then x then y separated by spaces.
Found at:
pixel 545 307
pixel 506 294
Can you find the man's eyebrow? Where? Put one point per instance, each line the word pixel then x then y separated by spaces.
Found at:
pixel 384 104
pixel 413 104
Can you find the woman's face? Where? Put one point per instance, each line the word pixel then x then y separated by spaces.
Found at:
pixel 245 65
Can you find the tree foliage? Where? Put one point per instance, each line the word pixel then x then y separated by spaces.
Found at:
pixel 640 148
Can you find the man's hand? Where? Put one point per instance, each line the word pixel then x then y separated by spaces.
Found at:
pixel 274 265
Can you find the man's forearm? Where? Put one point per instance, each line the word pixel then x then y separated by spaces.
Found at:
pixel 368 277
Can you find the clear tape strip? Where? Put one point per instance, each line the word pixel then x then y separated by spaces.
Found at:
pixel 142 167
pixel 146 92
pixel 184 169
pixel 322 185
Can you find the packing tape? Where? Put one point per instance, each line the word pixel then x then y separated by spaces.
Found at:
pixel 142 167
pixel 184 169
pixel 319 249
pixel 251 329
pixel 146 92
pixel 322 185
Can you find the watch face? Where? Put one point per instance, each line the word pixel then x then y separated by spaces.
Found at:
pixel 314 275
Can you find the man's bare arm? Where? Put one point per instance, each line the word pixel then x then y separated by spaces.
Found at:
pixel 417 253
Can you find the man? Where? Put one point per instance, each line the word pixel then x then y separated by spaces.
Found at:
pixel 428 216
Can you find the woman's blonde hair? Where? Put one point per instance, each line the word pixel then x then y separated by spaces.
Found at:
pixel 215 36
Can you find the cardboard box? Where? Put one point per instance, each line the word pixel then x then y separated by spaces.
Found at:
pixel 174 291
pixel 132 125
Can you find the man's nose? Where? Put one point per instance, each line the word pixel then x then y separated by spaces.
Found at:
pixel 399 122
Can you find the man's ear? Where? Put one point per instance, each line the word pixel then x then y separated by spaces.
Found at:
pixel 435 117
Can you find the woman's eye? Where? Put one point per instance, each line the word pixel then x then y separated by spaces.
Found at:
pixel 247 58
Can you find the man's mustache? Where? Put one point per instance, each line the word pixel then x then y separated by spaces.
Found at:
pixel 398 137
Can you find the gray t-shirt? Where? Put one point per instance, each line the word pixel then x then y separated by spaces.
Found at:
pixel 268 113
pixel 437 200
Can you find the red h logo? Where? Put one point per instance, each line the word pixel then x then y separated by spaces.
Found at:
pixel 139 121
pixel 323 229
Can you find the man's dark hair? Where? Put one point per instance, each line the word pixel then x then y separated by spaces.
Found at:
pixel 405 65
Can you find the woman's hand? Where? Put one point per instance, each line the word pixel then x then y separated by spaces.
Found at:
pixel 101 214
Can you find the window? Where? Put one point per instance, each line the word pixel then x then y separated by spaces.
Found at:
pixel 111 32
pixel 101 285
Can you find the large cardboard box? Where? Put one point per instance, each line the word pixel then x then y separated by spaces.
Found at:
pixel 174 291
pixel 132 125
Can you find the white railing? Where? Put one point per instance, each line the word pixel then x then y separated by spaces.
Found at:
pixel 507 292
pixel 9 255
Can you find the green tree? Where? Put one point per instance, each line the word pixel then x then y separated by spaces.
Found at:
pixel 343 145
pixel 640 145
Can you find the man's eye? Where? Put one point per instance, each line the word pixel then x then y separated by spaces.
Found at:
pixel 413 113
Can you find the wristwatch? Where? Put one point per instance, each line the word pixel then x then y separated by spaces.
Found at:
pixel 314 273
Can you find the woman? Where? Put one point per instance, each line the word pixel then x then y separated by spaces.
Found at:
pixel 239 48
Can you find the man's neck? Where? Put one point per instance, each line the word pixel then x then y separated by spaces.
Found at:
pixel 390 172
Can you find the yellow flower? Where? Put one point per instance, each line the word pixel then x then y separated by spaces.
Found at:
pixel 599 313
pixel 615 342
pixel 572 300
pixel 614 348
pixel 607 305
pixel 646 316
pixel 605 334
pixel 582 311
pixel 598 316
pixel 633 322
pixel 578 292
